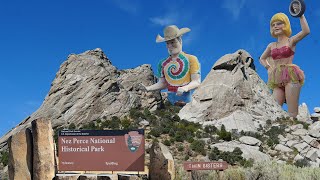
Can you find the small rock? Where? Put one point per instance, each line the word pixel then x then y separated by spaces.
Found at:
pixel 272 152
pixel 312 154
pixel 307 139
pixel 290 136
pixel 300 132
pixel 281 162
pixel 297 126
pixel 250 141
pixel 301 146
pixel 282 148
pixel 314 133
pixel 291 143
pixel 144 123
pixel 316 109
pixel 282 139
pixel 315 126
pixel 315 144
pixel 315 116
pixel 287 130
pixel 298 157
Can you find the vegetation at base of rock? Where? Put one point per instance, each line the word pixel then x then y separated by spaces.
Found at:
pixel 302 163
pixel 232 158
pixel 223 134
pixel 263 170
pixel 187 139
pixel 72 126
pixel 199 147
pixel 290 122
pixel 167 142
pixel 273 134
pixel 4 158
pixel 254 134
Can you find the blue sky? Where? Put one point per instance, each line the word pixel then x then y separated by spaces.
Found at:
pixel 37 36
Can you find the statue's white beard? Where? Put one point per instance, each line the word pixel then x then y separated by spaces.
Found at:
pixel 174 51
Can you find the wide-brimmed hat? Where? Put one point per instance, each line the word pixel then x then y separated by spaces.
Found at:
pixel 171 32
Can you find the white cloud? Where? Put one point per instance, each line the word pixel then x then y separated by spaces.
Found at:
pixel 234 7
pixel 163 21
pixel 167 19
pixel 129 6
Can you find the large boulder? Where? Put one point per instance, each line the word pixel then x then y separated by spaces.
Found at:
pixel 161 163
pixel 248 152
pixel 237 98
pixel 43 149
pixel 20 155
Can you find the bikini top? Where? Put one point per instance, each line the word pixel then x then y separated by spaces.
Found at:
pixel 283 52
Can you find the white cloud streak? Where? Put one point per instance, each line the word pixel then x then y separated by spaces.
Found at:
pixel 129 6
pixel 234 7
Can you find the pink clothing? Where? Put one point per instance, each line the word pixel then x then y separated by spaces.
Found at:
pixel 280 53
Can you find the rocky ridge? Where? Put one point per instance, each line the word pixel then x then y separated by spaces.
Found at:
pixel 88 87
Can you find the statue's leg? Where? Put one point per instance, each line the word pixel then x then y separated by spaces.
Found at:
pixel 292 91
pixel 279 95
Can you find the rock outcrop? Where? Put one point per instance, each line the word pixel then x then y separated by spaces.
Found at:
pixel 43 149
pixel 304 114
pixel 237 98
pixel 87 87
pixel 316 115
pixel 161 163
pixel 20 152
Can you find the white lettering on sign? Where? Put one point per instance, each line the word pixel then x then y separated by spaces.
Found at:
pixel 212 165
pixel 80 141
pixel 66 141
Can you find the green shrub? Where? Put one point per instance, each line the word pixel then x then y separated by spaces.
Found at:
pixel 90 126
pixel 171 133
pixel 114 123
pixel 199 134
pixel 198 146
pixel 125 123
pixel 146 113
pixel 180 148
pixel 210 129
pixel 302 163
pixel 223 134
pixel 230 157
pixel 167 142
pixel 186 157
pixel 155 132
pixel 72 126
pixel 246 163
pixel 4 158
pixel 190 139
pixel 135 114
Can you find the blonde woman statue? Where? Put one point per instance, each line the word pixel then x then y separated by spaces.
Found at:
pixel 284 77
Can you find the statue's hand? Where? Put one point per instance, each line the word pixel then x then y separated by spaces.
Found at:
pixel 181 90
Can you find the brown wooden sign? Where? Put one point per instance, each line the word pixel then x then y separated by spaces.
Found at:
pixel 101 150
pixel 214 165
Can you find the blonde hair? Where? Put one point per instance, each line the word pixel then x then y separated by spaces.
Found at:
pixel 283 18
